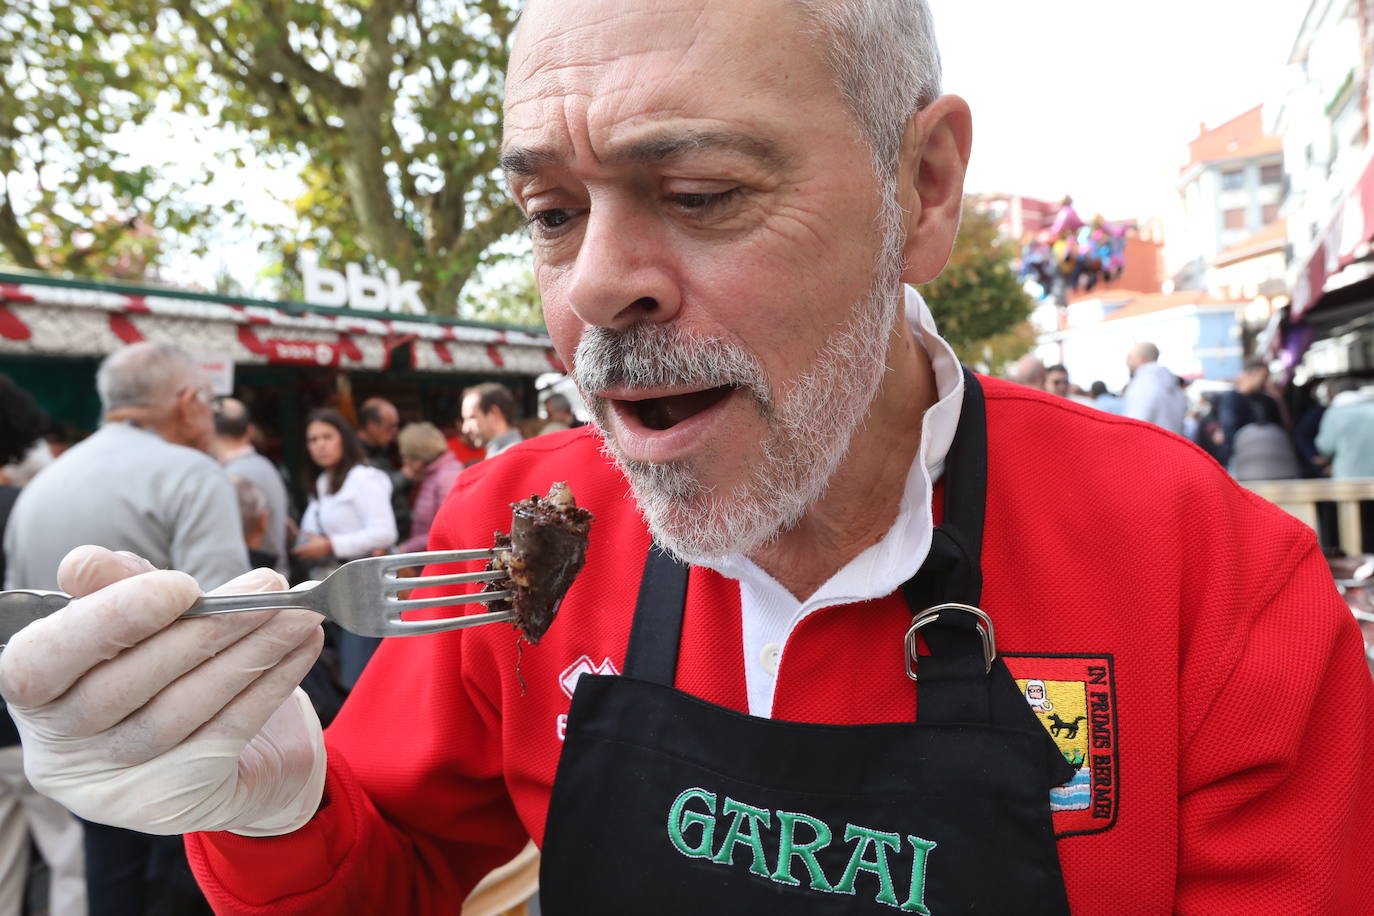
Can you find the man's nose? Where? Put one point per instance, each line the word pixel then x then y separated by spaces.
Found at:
pixel 625 270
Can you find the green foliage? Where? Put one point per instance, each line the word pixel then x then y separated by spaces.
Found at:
pixel 995 355
pixel 977 301
pixel 387 109
pixel 68 202
pixel 508 295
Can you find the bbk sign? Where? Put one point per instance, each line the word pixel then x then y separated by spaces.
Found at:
pixel 355 289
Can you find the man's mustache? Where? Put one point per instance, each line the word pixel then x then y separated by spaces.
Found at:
pixel 652 355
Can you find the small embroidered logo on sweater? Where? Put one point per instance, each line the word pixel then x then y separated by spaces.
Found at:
pixel 1074 697
pixel 584 665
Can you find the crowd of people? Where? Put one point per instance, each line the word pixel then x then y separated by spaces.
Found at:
pixel 1072 255
pixel 174 475
pixel 1257 430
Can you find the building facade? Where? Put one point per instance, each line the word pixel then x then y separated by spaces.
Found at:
pixel 1326 115
pixel 1229 191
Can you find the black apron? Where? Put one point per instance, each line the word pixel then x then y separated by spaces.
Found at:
pixel 666 804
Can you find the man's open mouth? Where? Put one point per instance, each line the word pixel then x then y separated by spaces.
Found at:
pixel 667 412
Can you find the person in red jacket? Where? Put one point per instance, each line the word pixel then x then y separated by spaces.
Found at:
pixel 850 645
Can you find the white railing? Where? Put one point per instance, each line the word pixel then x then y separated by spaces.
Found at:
pixel 1300 497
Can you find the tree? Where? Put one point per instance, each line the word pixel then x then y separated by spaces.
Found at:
pixel 389 108
pixel 977 301
pixel 508 294
pixel 67 201
pixel 994 355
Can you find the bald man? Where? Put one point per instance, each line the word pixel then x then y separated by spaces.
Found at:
pixel 234 447
pixel 1029 370
pixel 378 425
pixel 1155 394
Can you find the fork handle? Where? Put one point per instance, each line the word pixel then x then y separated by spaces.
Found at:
pixel 207 605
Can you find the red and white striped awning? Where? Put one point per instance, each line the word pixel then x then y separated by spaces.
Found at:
pixel 1348 238
pixel 58 320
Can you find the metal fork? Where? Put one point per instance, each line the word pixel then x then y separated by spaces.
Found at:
pixel 360 596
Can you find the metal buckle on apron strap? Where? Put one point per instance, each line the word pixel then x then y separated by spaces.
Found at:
pixel 931 614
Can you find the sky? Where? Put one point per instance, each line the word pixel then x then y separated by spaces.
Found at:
pixel 1099 99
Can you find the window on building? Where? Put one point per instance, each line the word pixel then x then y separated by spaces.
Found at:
pixel 1232 180
pixel 1269 213
pixel 1272 173
pixel 1234 219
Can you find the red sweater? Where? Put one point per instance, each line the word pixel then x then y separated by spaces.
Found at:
pixel 1175 632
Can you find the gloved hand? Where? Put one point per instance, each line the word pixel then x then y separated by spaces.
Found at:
pixel 133 718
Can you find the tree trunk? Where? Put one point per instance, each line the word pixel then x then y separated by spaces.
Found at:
pixel 12 237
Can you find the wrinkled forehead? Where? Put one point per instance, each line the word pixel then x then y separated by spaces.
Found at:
pixel 587 68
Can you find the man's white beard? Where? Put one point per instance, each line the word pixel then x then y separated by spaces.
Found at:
pixel 810 427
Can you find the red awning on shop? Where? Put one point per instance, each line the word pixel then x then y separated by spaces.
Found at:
pixel 40 317
pixel 1346 241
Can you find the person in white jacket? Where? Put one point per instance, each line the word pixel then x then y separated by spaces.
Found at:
pixel 1154 394
pixel 349 516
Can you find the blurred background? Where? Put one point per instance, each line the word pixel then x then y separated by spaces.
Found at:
pixel 169 169
pixel 1169 215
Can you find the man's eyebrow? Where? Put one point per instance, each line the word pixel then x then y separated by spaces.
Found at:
pixel 668 146
pixel 527 161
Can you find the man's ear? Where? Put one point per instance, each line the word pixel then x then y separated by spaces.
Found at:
pixel 930 184
pixel 184 405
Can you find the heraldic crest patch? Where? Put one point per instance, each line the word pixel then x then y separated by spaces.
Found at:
pixel 1074 696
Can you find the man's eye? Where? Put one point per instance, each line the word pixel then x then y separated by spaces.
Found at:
pixel 704 202
pixel 547 221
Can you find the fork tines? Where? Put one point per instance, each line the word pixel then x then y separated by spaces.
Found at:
pixel 415 604
pixel 429 557
pixel 394 584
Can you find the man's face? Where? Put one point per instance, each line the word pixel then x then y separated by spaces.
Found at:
pixel 383 430
pixel 706 232
pixel 1057 383
pixel 194 406
pixel 477 426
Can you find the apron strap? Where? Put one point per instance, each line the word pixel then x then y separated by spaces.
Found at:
pixel 953 569
pixel 657 629
pixel 966 493
pixel 954 683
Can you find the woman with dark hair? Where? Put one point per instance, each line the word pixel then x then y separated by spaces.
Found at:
pixel 349 514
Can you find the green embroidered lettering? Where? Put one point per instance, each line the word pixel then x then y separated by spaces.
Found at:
pixel 879 841
pixel 788 848
pixel 735 835
pixel 916 901
pixel 680 819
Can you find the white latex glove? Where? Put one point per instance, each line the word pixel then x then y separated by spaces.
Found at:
pixel 133 718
